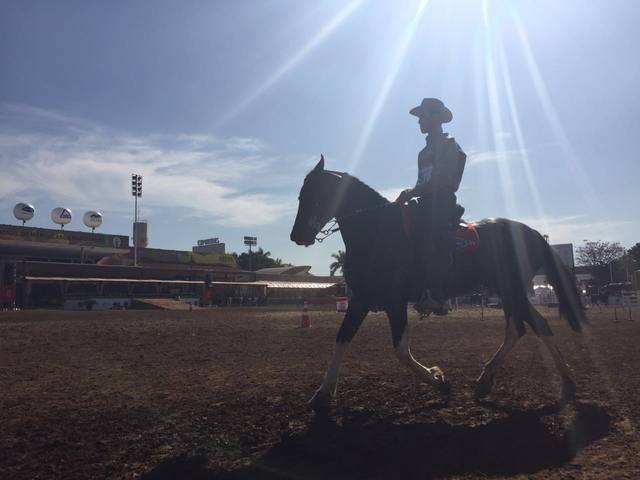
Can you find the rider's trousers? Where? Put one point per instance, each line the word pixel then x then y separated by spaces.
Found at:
pixel 433 241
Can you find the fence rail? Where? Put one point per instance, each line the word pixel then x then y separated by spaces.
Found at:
pixel 631 299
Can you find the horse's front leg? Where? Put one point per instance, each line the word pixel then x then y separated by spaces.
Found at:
pixel 350 324
pixel 397 314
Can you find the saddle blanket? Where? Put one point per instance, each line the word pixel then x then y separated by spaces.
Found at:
pixel 466 237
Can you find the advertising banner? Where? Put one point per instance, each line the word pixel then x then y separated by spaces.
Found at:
pixel 62 237
pixel 156 255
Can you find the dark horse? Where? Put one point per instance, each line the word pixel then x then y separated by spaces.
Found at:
pixel 381 271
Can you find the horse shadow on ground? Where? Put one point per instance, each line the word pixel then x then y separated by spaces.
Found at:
pixel 519 443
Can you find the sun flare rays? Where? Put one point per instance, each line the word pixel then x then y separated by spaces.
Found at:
pixel 517 128
pixel 290 64
pixel 582 181
pixel 387 84
pixel 495 114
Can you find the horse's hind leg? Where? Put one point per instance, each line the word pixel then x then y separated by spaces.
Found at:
pixel 568 384
pixel 545 335
pixel 400 335
pixel 485 381
pixel 350 324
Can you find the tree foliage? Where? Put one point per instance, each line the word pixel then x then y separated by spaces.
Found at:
pixel 338 264
pixel 599 253
pixel 605 258
pixel 259 259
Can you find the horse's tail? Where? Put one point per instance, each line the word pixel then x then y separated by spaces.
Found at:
pixel 564 286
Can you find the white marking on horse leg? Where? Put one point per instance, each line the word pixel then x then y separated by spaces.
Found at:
pixel 568 384
pixel 484 383
pixel 322 397
pixel 330 381
pixel 432 375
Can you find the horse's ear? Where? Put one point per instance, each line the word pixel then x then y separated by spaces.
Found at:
pixel 320 166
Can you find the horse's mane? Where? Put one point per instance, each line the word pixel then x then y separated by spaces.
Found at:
pixel 360 186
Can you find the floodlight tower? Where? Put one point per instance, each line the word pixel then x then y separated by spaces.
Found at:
pixel 250 241
pixel 136 191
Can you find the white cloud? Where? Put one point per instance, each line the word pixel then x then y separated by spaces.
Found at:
pixel 503 135
pixel 474 158
pixel 576 228
pixel 227 180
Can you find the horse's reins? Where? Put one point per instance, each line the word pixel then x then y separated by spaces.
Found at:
pixel 333 229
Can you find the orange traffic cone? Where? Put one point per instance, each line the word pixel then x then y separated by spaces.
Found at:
pixel 306 321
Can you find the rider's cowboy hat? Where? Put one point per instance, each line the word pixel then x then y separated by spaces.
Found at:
pixel 433 106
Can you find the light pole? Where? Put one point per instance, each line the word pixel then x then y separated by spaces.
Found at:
pixel 136 191
pixel 625 259
pixel 611 271
pixel 250 241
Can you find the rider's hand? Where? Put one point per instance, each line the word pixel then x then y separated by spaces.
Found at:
pixel 404 196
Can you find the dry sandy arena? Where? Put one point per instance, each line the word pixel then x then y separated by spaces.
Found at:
pixel 222 393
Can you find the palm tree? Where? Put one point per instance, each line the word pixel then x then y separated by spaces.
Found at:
pixel 338 264
pixel 258 259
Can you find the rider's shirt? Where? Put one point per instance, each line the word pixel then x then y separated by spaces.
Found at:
pixel 440 165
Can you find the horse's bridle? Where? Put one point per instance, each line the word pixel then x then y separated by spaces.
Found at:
pixel 326 233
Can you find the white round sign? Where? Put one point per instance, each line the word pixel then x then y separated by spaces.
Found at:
pixel 23 211
pixel 61 215
pixel 92 219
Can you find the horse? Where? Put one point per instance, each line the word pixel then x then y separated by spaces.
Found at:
pixel 381 271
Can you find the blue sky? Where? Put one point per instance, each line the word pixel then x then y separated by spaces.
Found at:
pixel 224 106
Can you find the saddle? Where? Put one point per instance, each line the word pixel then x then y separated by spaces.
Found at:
pixel 464 234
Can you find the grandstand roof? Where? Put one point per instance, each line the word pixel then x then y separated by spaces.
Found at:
pixel 268 284
pixel 287 270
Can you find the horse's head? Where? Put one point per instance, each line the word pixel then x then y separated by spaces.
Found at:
pixel 316 205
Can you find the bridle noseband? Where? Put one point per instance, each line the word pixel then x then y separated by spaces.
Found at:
pixel 326 233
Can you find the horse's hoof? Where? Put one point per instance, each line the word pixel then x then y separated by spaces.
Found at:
pixel 445 387
pixel 437 374
pixel 320 402
pixel 482 391
pixel 483 388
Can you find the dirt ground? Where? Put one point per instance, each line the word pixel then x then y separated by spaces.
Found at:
pixel 222 393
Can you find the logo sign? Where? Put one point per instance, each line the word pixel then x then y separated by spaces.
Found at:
pixel 61 216
pixel 251 241
pixel 208 241
pixel 92 219
pixel 23 211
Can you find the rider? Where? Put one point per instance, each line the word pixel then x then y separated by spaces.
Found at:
pixel 440 167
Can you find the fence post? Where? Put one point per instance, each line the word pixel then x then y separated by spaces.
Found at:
pixel 306 321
